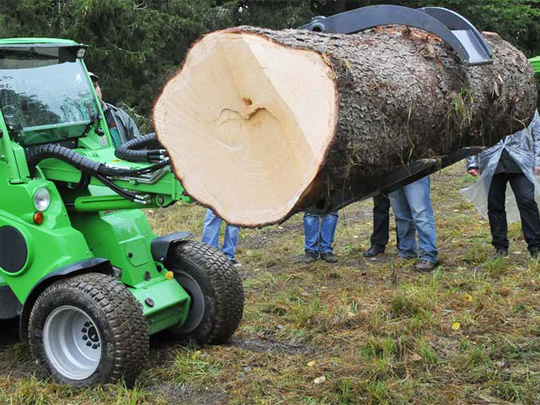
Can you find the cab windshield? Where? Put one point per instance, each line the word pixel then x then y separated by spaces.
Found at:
pixel 45 94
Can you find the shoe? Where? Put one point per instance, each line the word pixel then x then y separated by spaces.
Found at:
pixel 374 251
pixel 425 265
pixel 501 252
pixel 535 254
pixel 235 263
pixel 329 257
pixel 310 256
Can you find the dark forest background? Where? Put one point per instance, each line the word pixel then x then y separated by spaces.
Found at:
pixel 134 46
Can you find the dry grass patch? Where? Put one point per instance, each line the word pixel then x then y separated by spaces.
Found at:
pixel 358 332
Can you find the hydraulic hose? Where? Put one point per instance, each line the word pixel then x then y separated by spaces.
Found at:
pixel 134 150
pixel 119 171
pixel 39 153
pixel 51 150
pixel 90 167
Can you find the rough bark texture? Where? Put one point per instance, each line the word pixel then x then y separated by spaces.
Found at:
pixel 403 95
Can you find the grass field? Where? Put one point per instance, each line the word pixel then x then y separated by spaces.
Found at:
pixel 360 331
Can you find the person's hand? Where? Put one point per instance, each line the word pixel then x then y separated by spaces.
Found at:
pixel 474 172
pixel 536 170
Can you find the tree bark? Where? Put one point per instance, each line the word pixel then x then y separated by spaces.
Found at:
pixel 260 123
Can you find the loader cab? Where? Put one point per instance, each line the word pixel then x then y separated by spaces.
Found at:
pixel 45 92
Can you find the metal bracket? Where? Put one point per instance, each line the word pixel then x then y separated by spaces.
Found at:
pixel 452 28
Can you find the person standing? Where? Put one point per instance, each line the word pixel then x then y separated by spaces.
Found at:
pixel 211 226
pixel 319 237
pixel 515 160
pixel 414 216
pixel 121 126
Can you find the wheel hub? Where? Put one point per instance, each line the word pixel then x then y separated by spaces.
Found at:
pixel 197 306
pixel 90 335
pixel 72 342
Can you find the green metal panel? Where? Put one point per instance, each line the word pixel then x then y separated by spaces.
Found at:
pixel 118 236
pixel 164 304
pixel 124 237
pixel 7 155
pixel 20 158
pixel 51 245
pixel 102 203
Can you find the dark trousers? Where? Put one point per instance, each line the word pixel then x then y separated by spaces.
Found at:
pixel 528 210
pixel 381 220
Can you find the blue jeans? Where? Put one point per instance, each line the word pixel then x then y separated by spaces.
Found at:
pixel 413 212
pixel 210 235
pixel 320 237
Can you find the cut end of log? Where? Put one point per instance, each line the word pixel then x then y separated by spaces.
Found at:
pixel 247 123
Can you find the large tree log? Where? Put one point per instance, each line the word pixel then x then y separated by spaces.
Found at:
pixel 258 123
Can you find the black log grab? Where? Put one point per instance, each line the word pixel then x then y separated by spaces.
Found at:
pixel 452 28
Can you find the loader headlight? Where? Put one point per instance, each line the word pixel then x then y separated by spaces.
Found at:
pixel 42 199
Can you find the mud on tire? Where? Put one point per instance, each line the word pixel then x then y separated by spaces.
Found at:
pixel 221 289
pixel 113 322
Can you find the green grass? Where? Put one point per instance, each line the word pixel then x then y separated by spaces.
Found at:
pixel 378 332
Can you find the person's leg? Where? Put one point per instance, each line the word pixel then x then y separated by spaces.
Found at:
pixel 381 225
pixel 211 229
pixel 311 237
pixel 528 210
pixel 404 224
pixel 311 231
pixel 230 241
pixel 328 230
pixel 497 212
pixel 418 195
pixel 381 221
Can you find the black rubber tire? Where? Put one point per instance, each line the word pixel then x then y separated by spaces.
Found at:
pixel 220 284
pixel 115 312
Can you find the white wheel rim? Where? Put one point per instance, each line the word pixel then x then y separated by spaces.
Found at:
pixel 72 342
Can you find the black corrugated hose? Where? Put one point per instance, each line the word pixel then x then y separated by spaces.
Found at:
pixel 133 151
pixel 99 170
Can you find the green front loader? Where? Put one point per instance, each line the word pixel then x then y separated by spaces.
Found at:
pixel 79 264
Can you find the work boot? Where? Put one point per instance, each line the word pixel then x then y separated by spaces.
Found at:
pixel 310 256
pixel 535 254
pixel 329 257
pixel 235 263
pixel 501 252
pixel 373 251
pixel 425 266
